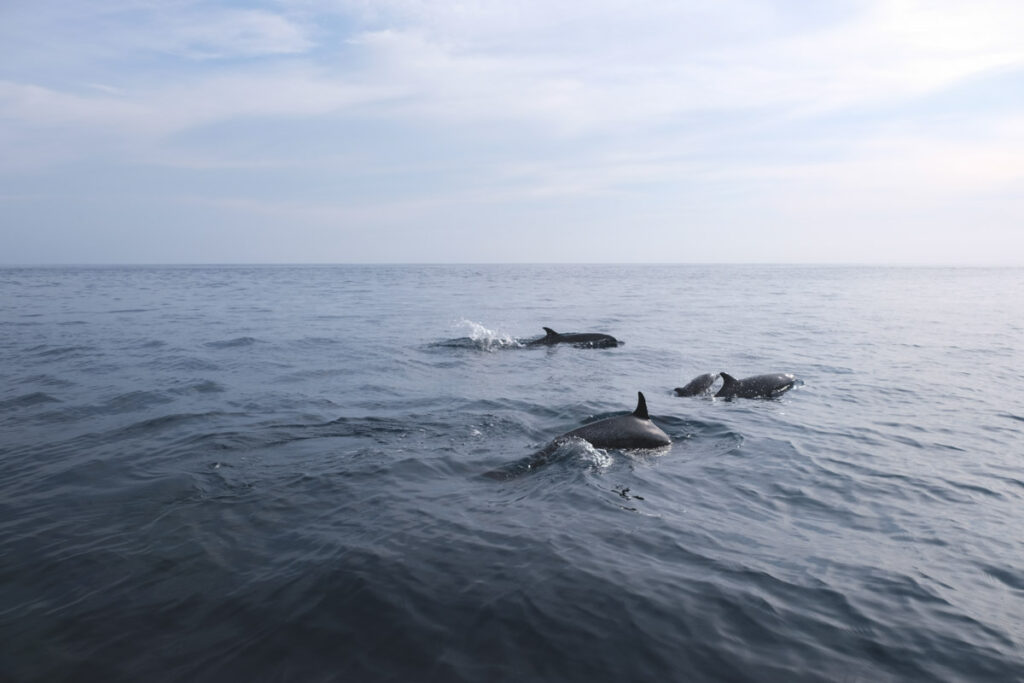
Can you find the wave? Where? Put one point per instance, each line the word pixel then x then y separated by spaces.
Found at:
pixel 47 380
pixel 231 343
pixel 129 402
pixel 50 352
pixel 207 386
pixel 27 400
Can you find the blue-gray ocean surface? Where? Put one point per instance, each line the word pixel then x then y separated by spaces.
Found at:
pixel 276 474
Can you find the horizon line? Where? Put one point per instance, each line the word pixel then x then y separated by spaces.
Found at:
pixel 817 264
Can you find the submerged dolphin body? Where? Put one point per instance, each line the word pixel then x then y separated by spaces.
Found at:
pixel 625 432
pixel 698 385
pixel 588 339
pixel 759 386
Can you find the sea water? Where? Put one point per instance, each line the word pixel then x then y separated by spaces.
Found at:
pixel 276 473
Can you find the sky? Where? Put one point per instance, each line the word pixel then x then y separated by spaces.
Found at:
pixel 390 131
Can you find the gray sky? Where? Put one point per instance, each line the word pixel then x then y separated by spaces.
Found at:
pixel 155 131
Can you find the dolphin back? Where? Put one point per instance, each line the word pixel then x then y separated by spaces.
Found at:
pixel 625 431
pixel 759 386
pixel 550 338
pixel 631 431
pixel 595 340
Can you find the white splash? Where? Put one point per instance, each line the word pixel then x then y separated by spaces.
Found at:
pixel 595 457
pixel 488 339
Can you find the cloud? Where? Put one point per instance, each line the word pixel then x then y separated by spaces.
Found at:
pixel 606 64
pixel 727 111
pixel 568 69
pixel 141 120
pixel 230 33
pixel 55 43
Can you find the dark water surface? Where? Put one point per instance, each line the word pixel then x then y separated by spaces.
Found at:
pixel 274 473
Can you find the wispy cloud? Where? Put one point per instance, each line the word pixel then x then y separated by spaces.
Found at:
pixel 231 33
pixel 575 71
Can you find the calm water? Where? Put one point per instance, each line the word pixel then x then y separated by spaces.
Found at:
pixel 231 473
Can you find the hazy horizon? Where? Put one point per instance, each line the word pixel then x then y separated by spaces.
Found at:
pixel 287 264
pixel 885 132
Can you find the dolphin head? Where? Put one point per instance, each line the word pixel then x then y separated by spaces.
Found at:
pixel 698 385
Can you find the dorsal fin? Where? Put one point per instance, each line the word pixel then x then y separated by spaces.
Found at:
pixel 550 332
pixel 641 407
pixel 727 379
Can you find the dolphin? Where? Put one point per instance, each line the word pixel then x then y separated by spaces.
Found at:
pixel 625 432
pixel 698 385
pixel 759 386
pixel 593 340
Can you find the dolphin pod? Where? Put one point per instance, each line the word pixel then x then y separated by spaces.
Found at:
pixel 636 430
pixel 758 386
pixel 633 431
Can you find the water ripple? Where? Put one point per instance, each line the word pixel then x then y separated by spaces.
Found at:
pixel 283 481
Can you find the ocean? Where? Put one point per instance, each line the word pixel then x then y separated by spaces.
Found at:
pixel 276 473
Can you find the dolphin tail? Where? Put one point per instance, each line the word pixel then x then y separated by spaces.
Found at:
pixel 641 407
